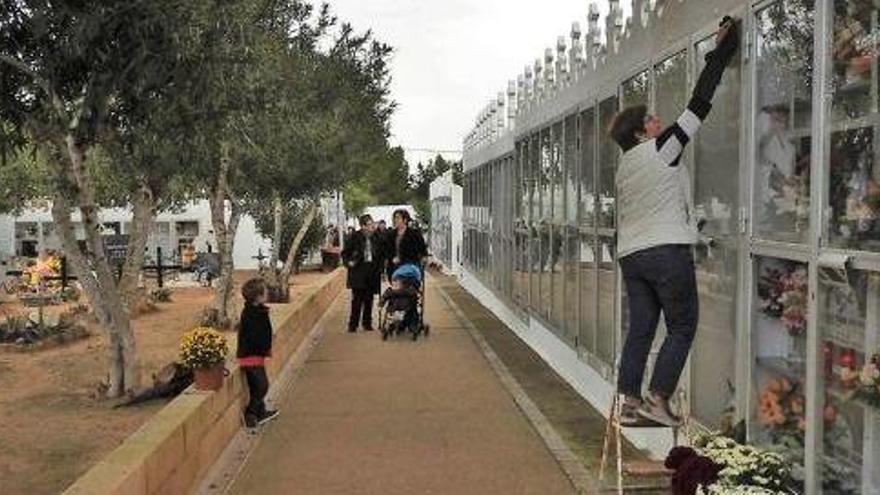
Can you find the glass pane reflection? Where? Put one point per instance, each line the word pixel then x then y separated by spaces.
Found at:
pixel 784 46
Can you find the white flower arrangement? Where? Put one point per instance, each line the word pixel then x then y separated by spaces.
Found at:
pixel 718 489
pixel 746 467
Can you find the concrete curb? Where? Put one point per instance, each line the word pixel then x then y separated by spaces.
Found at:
pixel 577 474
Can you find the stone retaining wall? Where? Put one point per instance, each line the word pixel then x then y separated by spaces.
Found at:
pixel 174 449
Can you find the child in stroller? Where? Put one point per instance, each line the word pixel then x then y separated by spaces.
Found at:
pixel 401 302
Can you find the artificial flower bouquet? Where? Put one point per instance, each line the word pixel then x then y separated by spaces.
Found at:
pixel 782 411
pixel 865 382
pixel 781 408
pixel 783 295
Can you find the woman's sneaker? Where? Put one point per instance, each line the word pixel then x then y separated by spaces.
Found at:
pixel 629 414
pixel 269 416
pixel 658 410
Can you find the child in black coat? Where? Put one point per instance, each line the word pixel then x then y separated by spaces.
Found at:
pixel 254 346
pixel 400 302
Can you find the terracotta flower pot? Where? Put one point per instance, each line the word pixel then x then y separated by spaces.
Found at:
pixel 210 378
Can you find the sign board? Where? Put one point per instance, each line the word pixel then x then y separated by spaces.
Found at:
pixel 116 248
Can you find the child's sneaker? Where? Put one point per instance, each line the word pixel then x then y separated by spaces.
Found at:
pixel 250 421
pixel 269 416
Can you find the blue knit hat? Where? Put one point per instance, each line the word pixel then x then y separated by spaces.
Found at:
pixel 407 271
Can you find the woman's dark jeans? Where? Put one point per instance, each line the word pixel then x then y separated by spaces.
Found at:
pixel 658 279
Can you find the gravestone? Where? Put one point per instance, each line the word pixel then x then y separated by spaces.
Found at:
pixel 116 249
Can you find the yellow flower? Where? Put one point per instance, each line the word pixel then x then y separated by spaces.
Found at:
pixel 203 347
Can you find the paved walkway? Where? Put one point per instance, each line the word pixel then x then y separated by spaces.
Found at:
pixel 400 417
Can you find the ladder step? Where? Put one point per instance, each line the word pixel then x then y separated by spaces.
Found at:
pixel 629 488
pixel 647 423
pixel 646 468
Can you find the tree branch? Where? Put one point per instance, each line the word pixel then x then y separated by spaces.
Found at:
pixel 40 81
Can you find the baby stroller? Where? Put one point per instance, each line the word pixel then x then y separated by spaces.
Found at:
pixel 402 306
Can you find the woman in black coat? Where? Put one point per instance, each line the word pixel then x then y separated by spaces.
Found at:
pixel 404 244
pixel 363 256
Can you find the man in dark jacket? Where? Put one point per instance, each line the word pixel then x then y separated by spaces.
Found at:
pixel 363 255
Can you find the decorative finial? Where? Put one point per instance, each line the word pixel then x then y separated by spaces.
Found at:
pixel 512 102
pixel 575 54
pixel 614 24
pixel 562 73
pixel 537 92
pixel 549 71
pixel 501 115
pixel 594 43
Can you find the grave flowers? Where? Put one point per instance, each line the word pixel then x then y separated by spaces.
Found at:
pixel 204 351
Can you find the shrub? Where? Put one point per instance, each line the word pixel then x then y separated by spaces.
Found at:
pixel 160 295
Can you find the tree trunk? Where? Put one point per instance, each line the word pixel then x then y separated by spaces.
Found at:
pixel 292 254
pixel 224 232
pixel 144 213
pixel 80 267
pixel 93 270
pixel 276 242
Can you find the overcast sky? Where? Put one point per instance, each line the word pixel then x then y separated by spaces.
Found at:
pixel 452 56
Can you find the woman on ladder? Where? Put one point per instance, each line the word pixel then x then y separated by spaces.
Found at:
pixel 657 231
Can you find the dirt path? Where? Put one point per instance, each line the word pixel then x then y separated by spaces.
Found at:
pixel 400 417
pixel 51 426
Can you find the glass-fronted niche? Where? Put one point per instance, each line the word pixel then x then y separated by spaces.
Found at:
pixel 850 342
pixel 853 174
pixel 782 120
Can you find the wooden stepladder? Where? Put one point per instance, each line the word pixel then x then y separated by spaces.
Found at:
pixel 614 433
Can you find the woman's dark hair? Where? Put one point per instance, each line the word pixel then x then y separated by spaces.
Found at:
pixel 364 219
pixel 403 214
pixel 252 289
pixel 627 125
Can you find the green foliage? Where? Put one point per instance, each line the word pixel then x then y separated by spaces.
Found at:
pixel 164 101
pixel 384 179
pixel 160 295
pixel 152 89
pixel 420 183
pixel 23 176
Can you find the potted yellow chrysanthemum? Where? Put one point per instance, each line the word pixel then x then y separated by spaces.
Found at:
pixel 204 350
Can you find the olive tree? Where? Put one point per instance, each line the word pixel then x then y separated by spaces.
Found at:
pixel 75 76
